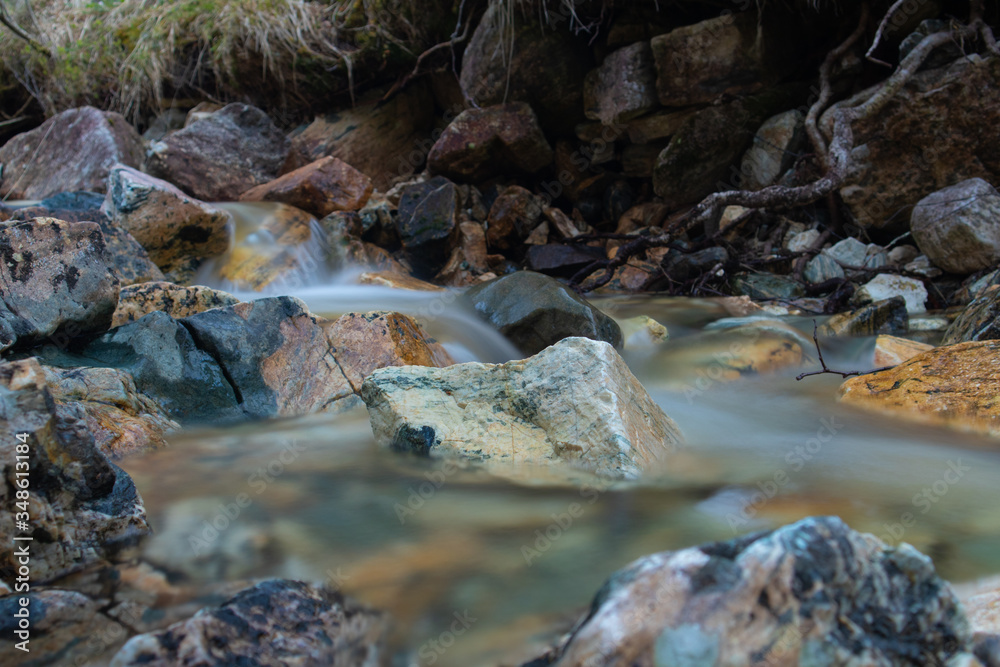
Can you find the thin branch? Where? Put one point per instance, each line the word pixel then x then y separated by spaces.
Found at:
pixel 826 369
pixel 881 29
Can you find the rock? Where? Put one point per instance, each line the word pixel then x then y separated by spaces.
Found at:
pixel 810 593
pixel 267 625
pixel 364 342
pixel 167 366
pixel 222 155
pixel 732 54
pixel 534 311
pixel 979 321
pixel 174 228
pixel 274 354
pixel 681 267
pixel 892 351
pixel 903 254
pixel 83 508
pixel 774 150
pixel 177 301
pixel 657 126
pixel 934 133
pixel 513 216
pixel 642 331
pixel 397 281
pixel 574 403
pixel 78 206
pixel 71 151
pixel 515 58
pixel 123 421
pixel 469 263
pixel 386 140
pixel 885 286
pixel 801 241
pixel 851 252
pixel 958 227
pixel 822 268
pixel 702 155
pixel 481 143
pixel 623 87
pixel 55 281
pixel 427 223
pixel 888 316
pixel 320 188
pixel 557 259
pixel 759 286
pixel 953 385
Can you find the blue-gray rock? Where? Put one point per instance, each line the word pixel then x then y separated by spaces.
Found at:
pixel 760 286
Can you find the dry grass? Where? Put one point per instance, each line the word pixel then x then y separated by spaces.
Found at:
pixel 128 55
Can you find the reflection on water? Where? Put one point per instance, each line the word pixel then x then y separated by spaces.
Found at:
pixel 427 541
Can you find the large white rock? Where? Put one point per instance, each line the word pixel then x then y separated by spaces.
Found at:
pixel 958 227
pixel 576 403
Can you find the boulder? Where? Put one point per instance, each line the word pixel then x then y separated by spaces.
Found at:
pixel 979 321
pixel 55 280
pixel 222 155
pixel 775 147
pixel 364 342
pixel 887 316
pixel 177 301
pixel 937 131
pixel 623 87
pixel 275 356
pixel 525 61
pixel 513 216
pixel 174 229
pixel 468 263
pixel 958 227
pixel 952 385
pixel 73 150
pixel 734 54
pixel 319 188
pixel 83 509
pixel 534 311
pixel 123 421
pixel 892 351
pixel 822 268
pixel 885 286
pixel 811 593
pixel 427 223
pixel 575 403
pixel 386 139
pixel 269 624
pixel 481 143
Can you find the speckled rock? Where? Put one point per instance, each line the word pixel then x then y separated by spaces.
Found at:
pixel 958 227
pixel 888 316
pixel 885 286
pixel 173 227
pixel 222 155
pixel 364 342
pixel 56 281
pixel 534 311
pixel 952 385
pixel 273 624
pixel 123 421
pixel 775 147
pixel 83 508
pixel 812 593
pixel 937 131
pixel 320 188
pixel 274 354
pixel 979 321
pixel 177 301
pixel 892 350
pixel 481 143
pixel 575 404
pixel 71 151
pixel 623 87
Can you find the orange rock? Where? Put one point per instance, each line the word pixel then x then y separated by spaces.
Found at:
pixel 320 187
pixel 892 350
pixel 953 385
pixel 364 342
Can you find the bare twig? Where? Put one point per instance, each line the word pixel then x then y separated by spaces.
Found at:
pixel 826 369
pixel 881 29
pixel 8 20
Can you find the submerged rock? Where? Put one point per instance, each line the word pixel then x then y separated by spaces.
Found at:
pixel 222 155
pixel 175 229
pixel 979 321
pixel 958 227
pixel 888 316
pixel 270 624
pixel 83 508
pixel 892 350
pixel 953 385
pixel 575 403
pixel 71 151
pixel 812 593
pixel 55 280
pixel 534 311
pixel 178 301
pixel 319 188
